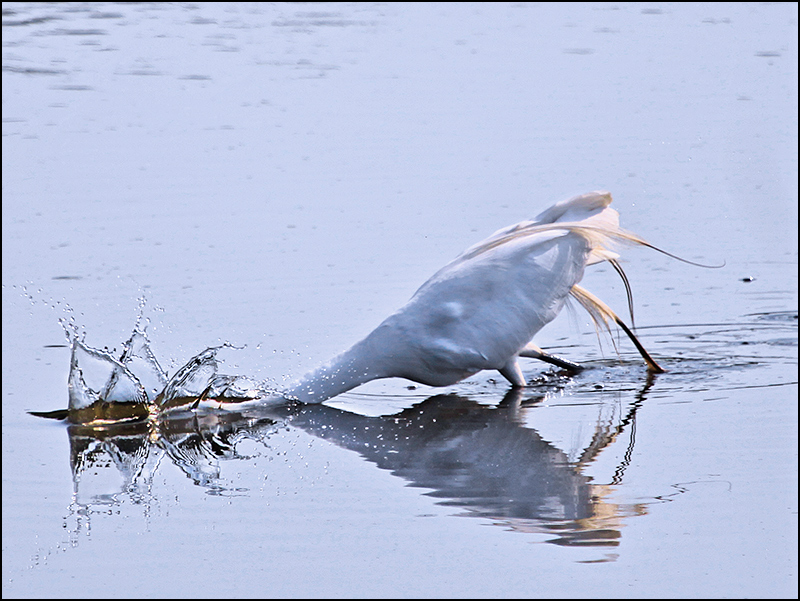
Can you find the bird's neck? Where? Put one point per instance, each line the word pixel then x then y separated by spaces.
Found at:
pixel 352 368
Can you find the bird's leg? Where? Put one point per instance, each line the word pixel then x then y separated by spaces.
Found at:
pixel 513 373
pixel 534 352
pixel 601 312
pixel 652 366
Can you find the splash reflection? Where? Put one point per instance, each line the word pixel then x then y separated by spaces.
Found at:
pixel 481 459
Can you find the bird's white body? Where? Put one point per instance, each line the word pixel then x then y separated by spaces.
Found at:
pixel 481 310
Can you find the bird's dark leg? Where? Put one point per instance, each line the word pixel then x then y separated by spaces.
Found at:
pixel 534 352
pixel 652 366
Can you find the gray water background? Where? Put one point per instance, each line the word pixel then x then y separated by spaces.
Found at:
pixel 283 176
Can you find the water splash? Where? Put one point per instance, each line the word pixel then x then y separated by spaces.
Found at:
pixel 106 390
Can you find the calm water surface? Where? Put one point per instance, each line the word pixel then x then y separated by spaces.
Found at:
pixel 283 176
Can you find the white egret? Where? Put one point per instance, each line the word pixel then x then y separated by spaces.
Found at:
pixel 482 310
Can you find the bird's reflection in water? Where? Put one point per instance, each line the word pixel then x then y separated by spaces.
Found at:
pixel 480 458
pixel 484 460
